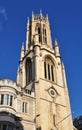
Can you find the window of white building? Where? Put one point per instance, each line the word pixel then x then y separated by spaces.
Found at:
pixel 6 127
pixel 11 98
pixel 2 99
pixel 24 107
pixel 6 99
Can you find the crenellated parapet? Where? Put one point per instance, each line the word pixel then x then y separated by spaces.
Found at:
pixel 8 82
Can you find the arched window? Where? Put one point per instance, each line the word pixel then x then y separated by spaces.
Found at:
pixel 49 72
pixel 38 31
pixel 28 70
pixel 39 34
pixel 45 73
pixel 52 72
pixel 49 69
pixel 44 35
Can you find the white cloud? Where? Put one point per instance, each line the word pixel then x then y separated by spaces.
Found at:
pixel 3 18
pixel 3 12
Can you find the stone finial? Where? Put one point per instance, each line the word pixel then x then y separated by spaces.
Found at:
pixel 41 13
pixel 47 16
pixel 28 20
pixel 56 43
pixel 22 51
pixel 56 48
pixel 27 24
pixel 62 65
pixel 18 70
pixel 32 15
pixel 22 48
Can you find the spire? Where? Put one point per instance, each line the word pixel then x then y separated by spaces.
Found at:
pixel 28 22
pixel 22 48
pixel 56 48
pixel 22 51
pixel 64 76
pixel 47 16
pixel 41 14
pixel 18 75
pixel 63 65
pixel 56 43
pixel 32 16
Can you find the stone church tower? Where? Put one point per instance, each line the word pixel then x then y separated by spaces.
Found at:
pixel 39 99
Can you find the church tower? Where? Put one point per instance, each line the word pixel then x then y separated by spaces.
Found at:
pixel 41 73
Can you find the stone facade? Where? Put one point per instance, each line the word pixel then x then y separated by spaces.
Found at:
pixel 39 98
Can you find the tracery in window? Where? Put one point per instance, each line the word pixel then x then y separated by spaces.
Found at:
pixel 49 69
pixel 28 70
pixel 38 31
pixel 44 35
pixel 39 34
pixel 45 73
pixel 52 72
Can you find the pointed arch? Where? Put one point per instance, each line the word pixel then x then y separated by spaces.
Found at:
pixel 52 59
pixel 44 34
pixel 49 68
pixel 38 31
pixel 28 67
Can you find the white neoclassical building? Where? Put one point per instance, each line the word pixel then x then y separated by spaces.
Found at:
pixel 39 99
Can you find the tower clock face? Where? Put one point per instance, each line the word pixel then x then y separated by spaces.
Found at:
pixel 52 92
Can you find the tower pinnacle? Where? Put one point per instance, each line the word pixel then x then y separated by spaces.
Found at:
pixel 32 15
pixel 22 51
pixel 41 14
pixel 56 47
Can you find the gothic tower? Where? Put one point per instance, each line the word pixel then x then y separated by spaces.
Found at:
pixel 42 73
pixel 39 98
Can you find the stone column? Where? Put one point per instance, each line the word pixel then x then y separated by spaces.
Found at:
pixel 37 71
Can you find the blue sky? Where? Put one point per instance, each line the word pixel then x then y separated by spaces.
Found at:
pixel 66 25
